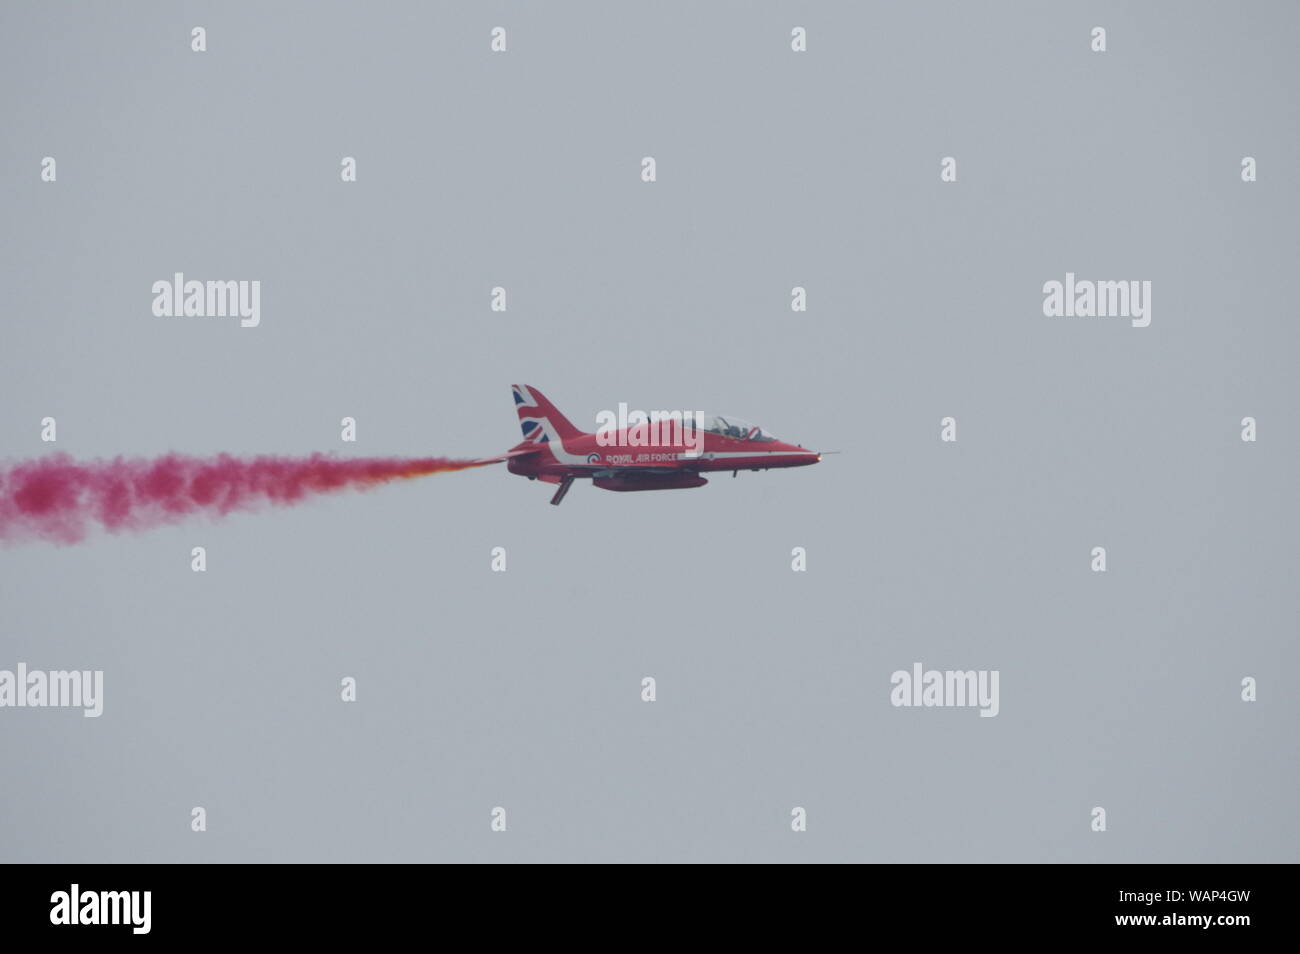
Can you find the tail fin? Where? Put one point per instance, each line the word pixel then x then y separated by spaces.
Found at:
pixel 538 418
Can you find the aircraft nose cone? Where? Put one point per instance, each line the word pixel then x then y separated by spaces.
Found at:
pixel 798 455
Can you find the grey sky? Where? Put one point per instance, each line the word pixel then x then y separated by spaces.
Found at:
pixel 775 169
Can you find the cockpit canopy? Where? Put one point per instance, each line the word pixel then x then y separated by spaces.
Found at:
pixel 735 428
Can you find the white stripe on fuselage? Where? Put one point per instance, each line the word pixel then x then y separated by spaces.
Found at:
pixel 729 455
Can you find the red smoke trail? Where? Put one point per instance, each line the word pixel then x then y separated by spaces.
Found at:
pixel 56 498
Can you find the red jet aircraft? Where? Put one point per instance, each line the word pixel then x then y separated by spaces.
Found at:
pixel 668 458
